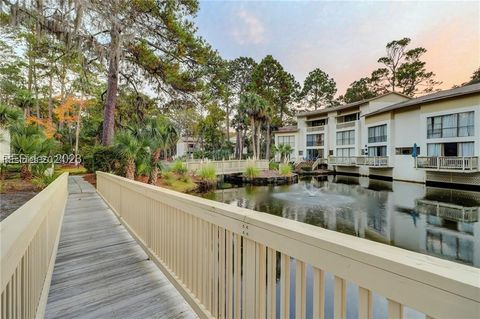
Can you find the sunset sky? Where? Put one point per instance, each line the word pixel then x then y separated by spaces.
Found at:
pixel 345 39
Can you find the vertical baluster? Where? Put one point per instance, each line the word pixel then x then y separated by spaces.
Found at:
pixel 260 277
pixel 229 274
pixel 340 298
pixel 221 272
pixel 285 287
pixel 271 283
pixel 395 310
pixel 209 263
pixel 237 272
pixel 215 271
pixel 318 293
pixel 300 290
pixel 249 287
pixel 364 303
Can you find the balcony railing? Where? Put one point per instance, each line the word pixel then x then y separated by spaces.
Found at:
pixel 372 161
pixel 225 260
pixel 448 163
pixel 448 211
pixel 345 125
pixel 315 128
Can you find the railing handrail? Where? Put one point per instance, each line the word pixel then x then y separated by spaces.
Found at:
pixel 33 229
pixel 434 286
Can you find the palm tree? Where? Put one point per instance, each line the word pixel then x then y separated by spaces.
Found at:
pixel 284 150
pixel 256 109
pixel 161 136
pixel 30 140
pixel 129 146
pixel 9 116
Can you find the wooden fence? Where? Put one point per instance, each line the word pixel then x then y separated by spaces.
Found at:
pixel 225 260
pixel 29 240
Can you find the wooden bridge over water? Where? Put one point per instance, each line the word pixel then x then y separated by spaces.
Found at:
pixel 131 250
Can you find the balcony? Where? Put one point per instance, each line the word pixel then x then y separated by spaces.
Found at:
pixel 315 128
pixel 371 161
pixel 345 125
pixel 448 163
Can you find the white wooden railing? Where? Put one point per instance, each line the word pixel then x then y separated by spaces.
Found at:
pixel 342 160
pixel 315 128
pixel 228 166
pixel 448 163
pixel 223 259
pixel 448 210
pixel 29 240
pixel 346 125
pixel 374 161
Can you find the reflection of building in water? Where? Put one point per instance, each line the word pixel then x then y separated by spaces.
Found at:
pixel 448 225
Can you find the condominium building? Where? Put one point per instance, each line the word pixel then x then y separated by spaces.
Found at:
pixel 376 137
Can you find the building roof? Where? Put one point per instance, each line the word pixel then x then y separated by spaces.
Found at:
pixel 345 106
pixel 287 129
pixel 437 96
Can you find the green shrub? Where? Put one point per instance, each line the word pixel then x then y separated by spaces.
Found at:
pixel 273 166
pixel 285 169
pixel 102 158
pixel 179 167
pixel 251 171
pixel 167 178
pixel 208 173
pixel 44 180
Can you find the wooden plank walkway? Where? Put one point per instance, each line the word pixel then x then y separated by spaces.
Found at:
pixel 101 271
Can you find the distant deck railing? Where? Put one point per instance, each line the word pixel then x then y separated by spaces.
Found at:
pixel 372 161
pixel 223 259
pixel 315 128
pixel 346 125
pixel 448 163
pixel 448 210
pixel 227 166
pixel 29 240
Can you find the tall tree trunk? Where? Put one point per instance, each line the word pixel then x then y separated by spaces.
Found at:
pixel 254 138
pixel 267 141
pixel 77 130
pixel 152 179
pixel 228 121
pixel 50 97
pixel 112 87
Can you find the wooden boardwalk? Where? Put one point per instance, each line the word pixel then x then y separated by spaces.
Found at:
pixel 100 270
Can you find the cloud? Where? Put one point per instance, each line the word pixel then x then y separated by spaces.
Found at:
pixel 249 29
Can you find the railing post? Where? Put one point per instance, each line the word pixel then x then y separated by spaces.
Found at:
pixel 463 163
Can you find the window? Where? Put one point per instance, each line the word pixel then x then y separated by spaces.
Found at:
pixel 315 140
pixel 313 154
pixel 434 149
pixel 377 134
pixel 406 150
pixel 318 122
pixel 348 118
pixel 465 149
pixel 346 137
pixel 451 125
pixel 346 152
pixel 287 140
pixel 377 151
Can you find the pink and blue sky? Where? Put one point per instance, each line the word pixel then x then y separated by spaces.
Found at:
pixel 345 39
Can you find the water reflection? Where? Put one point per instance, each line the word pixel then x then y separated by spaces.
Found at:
pixel 438 222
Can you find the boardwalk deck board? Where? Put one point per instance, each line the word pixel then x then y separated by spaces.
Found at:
pixel 101 272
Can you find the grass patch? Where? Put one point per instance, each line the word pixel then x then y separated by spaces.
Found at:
pixel 184 186
pixel 208 173
pixel 72 170
pixel 285 169
pixel 251 171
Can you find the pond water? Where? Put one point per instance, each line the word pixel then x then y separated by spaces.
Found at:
pixel 434 221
